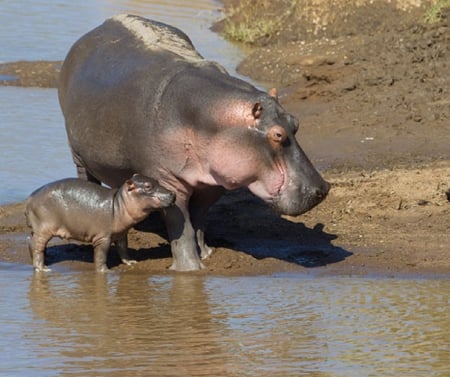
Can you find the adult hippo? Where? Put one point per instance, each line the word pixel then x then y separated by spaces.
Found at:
pixel 138 98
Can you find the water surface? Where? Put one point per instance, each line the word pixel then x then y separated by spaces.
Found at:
pixel 87 324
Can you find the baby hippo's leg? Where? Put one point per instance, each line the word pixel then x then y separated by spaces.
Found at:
pixel 122 249
pixel 101 249
pixel 36 245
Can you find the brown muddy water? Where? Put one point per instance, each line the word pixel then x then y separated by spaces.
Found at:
pixel 125 324
pixel 68 323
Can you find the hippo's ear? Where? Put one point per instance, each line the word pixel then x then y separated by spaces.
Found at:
pixel 257 110
pixel 130 185
pixel 273 93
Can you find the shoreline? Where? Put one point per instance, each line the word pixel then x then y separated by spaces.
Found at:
pixel 359 230
pixel 374 110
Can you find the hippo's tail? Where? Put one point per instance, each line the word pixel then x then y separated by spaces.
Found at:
pixel 26 213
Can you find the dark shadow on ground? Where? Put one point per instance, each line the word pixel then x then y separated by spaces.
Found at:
pixel 238 221
pixel 85 253
pixel 243 222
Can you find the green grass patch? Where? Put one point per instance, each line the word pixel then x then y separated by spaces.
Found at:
pixel 252 20
pixel 249 31
pixel 434 13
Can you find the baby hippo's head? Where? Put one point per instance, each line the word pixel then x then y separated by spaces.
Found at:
pixel 143 195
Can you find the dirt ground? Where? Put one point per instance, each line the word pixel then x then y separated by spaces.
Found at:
pixel 373 101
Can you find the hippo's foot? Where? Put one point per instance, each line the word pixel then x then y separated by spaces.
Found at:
pixel 129 262
pixel 186 264
pixel 206 251
pixel 42 268
pixel 103 269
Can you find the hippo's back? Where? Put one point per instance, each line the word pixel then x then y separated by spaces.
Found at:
pixel 121 46
pixel 157 36
pixel 70 194
pixel 110 87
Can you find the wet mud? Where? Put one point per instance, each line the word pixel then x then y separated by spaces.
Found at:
pixel 374 108
pixel 40 74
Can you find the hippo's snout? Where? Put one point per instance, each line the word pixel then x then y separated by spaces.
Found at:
pixel 296 201
pixel 167 198
pixel 321 191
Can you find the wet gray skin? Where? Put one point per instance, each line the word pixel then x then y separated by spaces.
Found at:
pixel 138 97
pixel 85 211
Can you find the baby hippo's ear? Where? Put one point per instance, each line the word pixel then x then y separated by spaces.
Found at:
pixel 130 185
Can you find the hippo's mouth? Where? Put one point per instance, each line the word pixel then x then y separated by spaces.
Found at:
pixel 272 185
pixel 282 194
pixel 282 171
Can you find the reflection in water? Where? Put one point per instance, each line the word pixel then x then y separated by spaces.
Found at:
pixel 128 325
pixel 185 325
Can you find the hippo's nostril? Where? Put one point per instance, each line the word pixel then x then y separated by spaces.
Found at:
pixel 322 191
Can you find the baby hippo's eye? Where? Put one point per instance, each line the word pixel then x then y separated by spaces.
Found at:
pixel 148 186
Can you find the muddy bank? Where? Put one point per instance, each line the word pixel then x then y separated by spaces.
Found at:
pixel 388 222
pixel 370 97
pixel 42 74
pixel 374 108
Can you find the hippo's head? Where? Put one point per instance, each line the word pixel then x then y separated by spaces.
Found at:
pixel 259 150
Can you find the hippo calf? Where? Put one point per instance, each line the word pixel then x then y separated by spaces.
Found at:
pixel 84 211
pixel 137 97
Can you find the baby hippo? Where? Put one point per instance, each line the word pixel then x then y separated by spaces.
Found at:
pixel 84 211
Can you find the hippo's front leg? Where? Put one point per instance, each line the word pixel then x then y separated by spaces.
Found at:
pixel 182 239
pixel 101 249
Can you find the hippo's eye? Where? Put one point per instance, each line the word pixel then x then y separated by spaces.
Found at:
pixel 148 186
pixel 277 135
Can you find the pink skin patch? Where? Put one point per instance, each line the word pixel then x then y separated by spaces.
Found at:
pixel 234 164
pixel 271 186
pixel 233 158
pixel 234 113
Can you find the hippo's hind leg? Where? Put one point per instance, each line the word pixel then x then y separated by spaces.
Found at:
pixel 82 172
pixel 199 204
pixel 182 239
pixel 36 245
pixel 122 249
